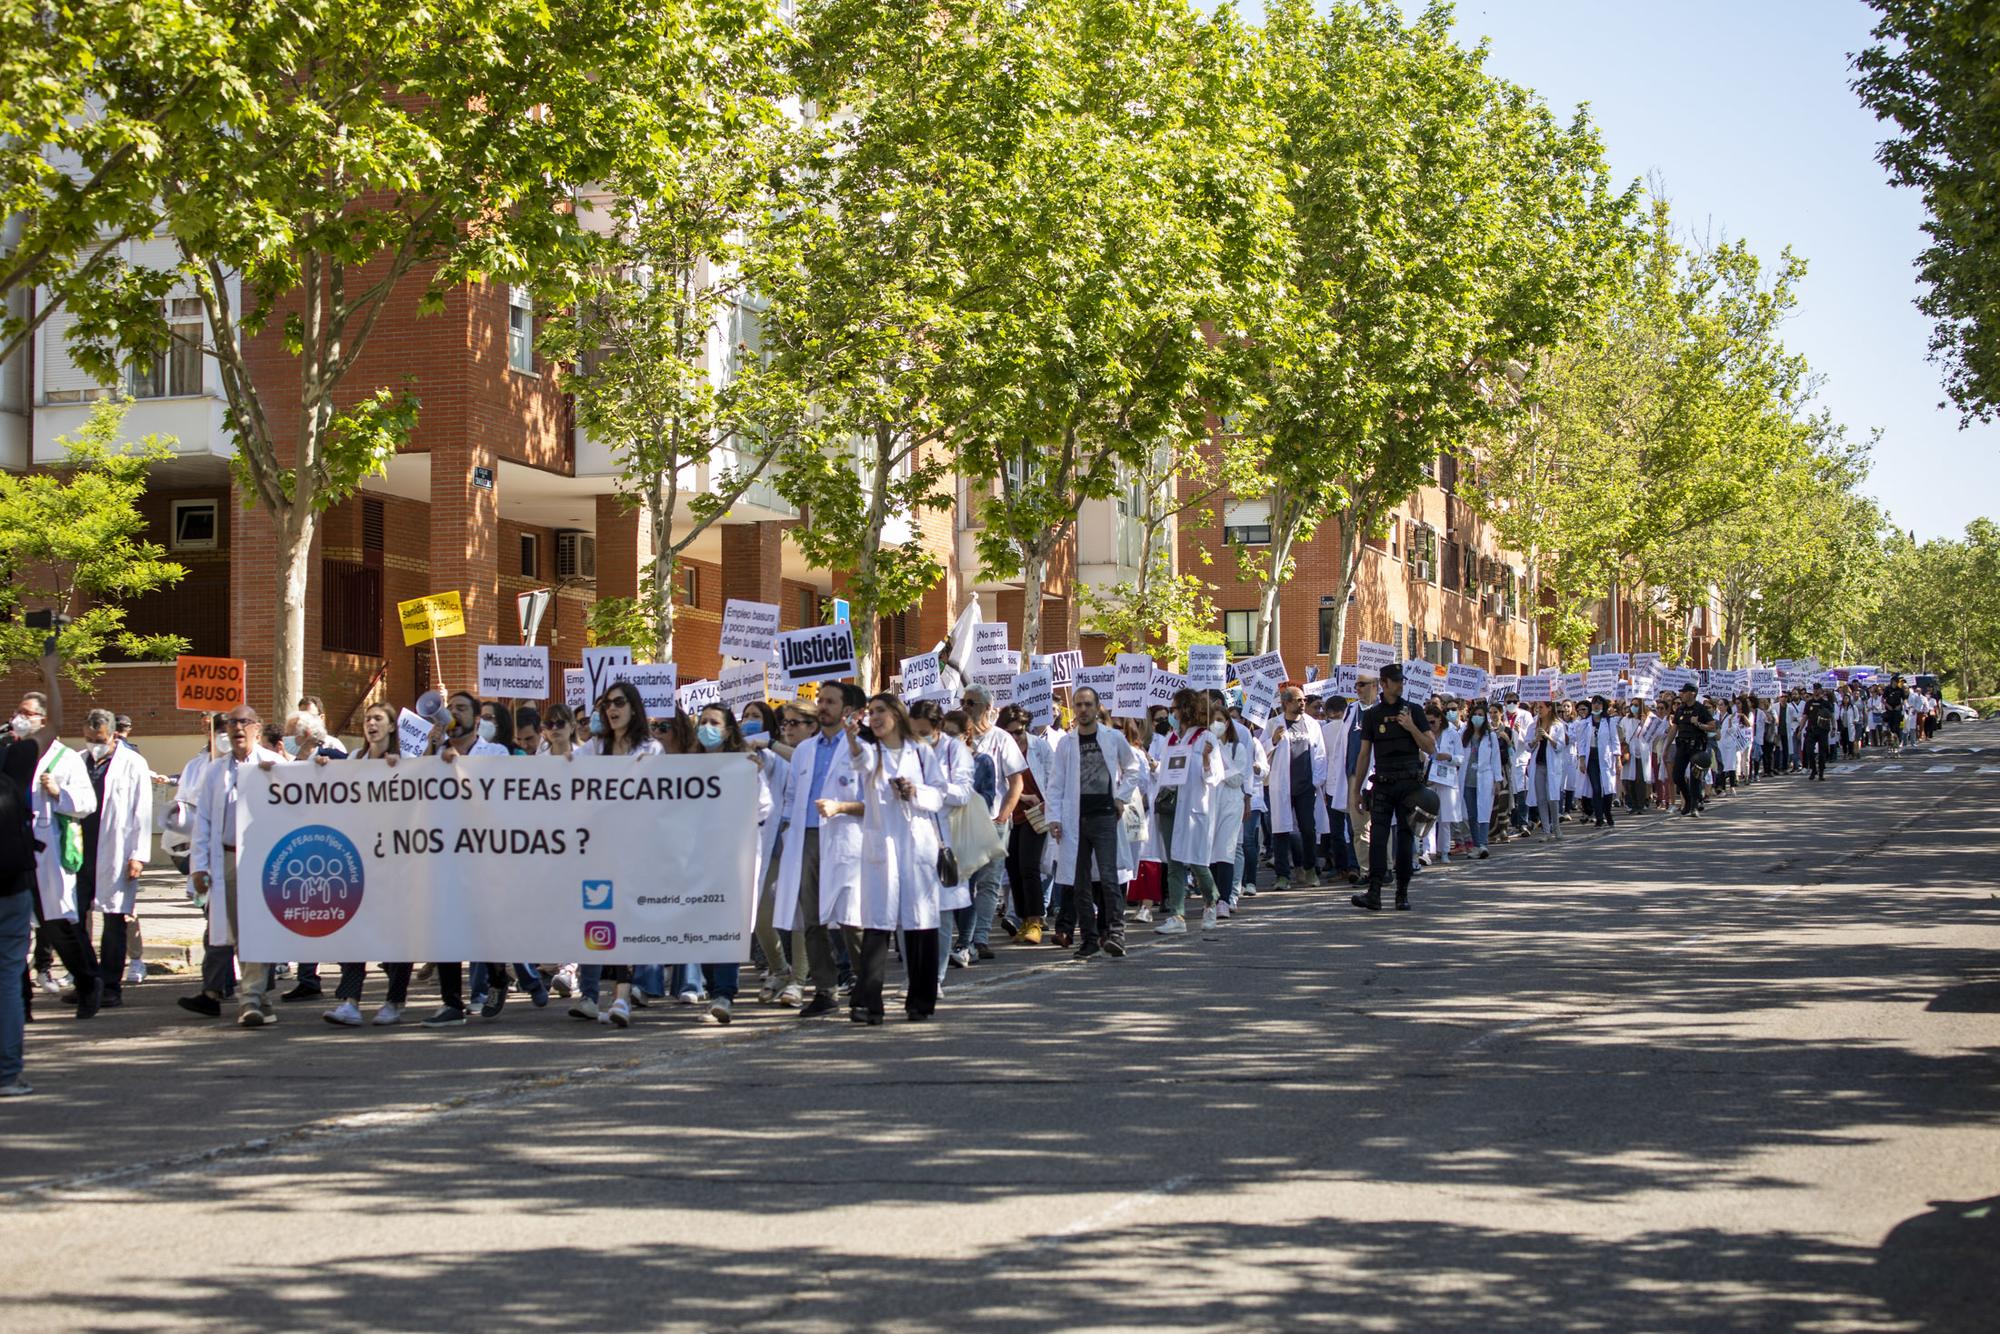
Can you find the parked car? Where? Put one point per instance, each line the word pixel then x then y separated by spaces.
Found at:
pixel 1951 711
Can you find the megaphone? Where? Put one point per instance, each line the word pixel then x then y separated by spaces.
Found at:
pixel 430 705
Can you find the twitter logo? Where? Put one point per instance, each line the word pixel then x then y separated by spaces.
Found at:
pixel 597 895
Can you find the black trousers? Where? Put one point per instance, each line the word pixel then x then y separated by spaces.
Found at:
pixel 1600 795
pixel 920 962
pixel 70 942
pixel 352 975
pixel 1818 746
pixel 872 969
pixel 1024 869
pixel 1384 798
pixel 1099 911
pixel 111 954
pixel 1685 777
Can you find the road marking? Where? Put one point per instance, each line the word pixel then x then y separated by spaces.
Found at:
pixel 1942 769
pixel 1843 768
pixel 1890 769
pixel 1989 768
pixel 1090 1222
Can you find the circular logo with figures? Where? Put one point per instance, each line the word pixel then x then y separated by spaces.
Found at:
pixel 312 881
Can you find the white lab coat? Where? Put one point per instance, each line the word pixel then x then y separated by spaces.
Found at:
pixel 1278 752
pixel 1606 734
pixel 1638 763
pixel 1239 767
pixel 839 840
pixel 774 778
pixel 124 828
pixel 1482 769
pixel 1194 807
pixel 1523 728
pixel 1728 742
pixel 1333 735
pixel 75 800
pixel 1545 781
pixel 953 778
pixel 1128 777
pixel 898 885
pixel 215 833
pixel 1447 777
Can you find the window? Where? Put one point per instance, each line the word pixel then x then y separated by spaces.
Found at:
pixel 1326 629
pixel 1396 638
pixel 374 528
pixel 1428 553
pixel 1240 629
pixel 1448 473
pixel 520 330
pixel 177 370
pixel 1247 523
pixel 197 525
pixel 531 555
pixel 808 607
pixel 690 586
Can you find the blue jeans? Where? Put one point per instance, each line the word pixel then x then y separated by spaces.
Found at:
pixel 1471 797
pixel 988 882
pixel 527 978
pixel 1248 854
pixel 17 925
pixel 721 979
pixel 1343 841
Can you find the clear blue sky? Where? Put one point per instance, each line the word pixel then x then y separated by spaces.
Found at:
pixel 1742 109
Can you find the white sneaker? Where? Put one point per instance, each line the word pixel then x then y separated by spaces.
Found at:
pixel 47 982
pixel 250 1016
pixel 135 972
pixel 564 982
pixel 585 1008
pixel 792 996
pixel 347 1014
pixel 1146 912
pixel 388 1014
pixel 1171 926
pixel 20 1088
pixel 689 997
pixel 1249 891
pixel 718 1010
pixel 619 1015
pixel 1208 920
pixel 1224 910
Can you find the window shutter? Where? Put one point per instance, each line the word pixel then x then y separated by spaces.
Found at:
pixel 60 373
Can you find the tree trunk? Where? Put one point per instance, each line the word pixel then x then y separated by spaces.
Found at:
pixel 1033 568
pixel 1531 599
pixel 1349 554
pixel 862 608
pixel 294 530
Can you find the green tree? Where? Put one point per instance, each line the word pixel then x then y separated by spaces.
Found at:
pixel 1444 225
pixel 72 540
pixel 687 239
pixel 1933 73
pixel 367 155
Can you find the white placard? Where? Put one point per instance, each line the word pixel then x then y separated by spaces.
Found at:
pixel 1372 657
pixel 576 693
pixel 1571 685
pixel 1763 681
pixel 413 733
pixel 513 671
pixel 1104 680
pixel 749 630
pixel 1536 689
pixel 1611 662
pixel 1646 662
pixel 1207 666
pixel 1345 676
pixel 1035 691
pixel 1161 688
pixel 1498 686
pixel 1264 664
pixel 818 653
pixel 607 859
pixel 742 683
pixel 923 677
pixel 1260 696
pixel 602 666
pixel 658 683
pixel 697 695
pixel 1135 673
pixel 1063 667
pixel 1600 680
pixel 1464 681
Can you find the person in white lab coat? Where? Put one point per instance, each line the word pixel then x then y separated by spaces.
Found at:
pixel 819 868
pixel 117 842
pixel 1096 773
pixel 1482 774
pixel 60 796
pixel 1189 772
pixel 1601 753
pixel 898 881
pixel 1635 775
pixel 1239 752
pixel 1548 767
pixel 954 780
pixel 1337 733
pixel 1446 778
pixel 213 858
pixel 1296 752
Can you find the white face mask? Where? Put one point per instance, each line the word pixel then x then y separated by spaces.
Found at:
pixel 1218 728
pixel 23 725
pixel 291 745
pixel 487 729
pixel 99 749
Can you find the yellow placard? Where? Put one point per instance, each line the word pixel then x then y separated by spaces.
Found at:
pixel 436 616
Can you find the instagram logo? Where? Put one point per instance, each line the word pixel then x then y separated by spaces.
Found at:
pixel 600 935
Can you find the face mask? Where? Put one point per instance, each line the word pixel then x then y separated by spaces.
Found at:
pixel 1451 715
pixel 291 745
pixel 1478 721
pixel 753 728
pixel 709 735
pixel 23 725
pixel 598 727
pixel 99 749
pixel 1160 728
pixel 488 729
pixel 1597 713
pixel 1217 729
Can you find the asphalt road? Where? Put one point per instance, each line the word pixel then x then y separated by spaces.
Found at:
pixel 1730 1073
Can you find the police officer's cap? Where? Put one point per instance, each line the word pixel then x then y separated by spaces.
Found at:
pixel 1392 671
pixel 1687 688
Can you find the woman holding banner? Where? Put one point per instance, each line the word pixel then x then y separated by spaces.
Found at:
pixel 1241 757
pixel 1184 796
pixel 378 742
pixel 717 732
pixel 619 726
pixel 1484 770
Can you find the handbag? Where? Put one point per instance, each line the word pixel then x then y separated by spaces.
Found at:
pixel 974 841
pixel 69 833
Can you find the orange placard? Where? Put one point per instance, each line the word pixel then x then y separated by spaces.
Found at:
pixel 210 685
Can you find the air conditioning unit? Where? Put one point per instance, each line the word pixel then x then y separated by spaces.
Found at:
pixel 576 554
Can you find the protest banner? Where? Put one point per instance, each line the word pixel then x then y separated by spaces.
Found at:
pixel 1419 680
pixel 1611 662
pixel 1260 696
pixel 576 693
pixel 413 733
pixel 1536 689
pixel 1599 680
pixel 1642 684
pixel 1063 667
pixel 697 695
pixel 923 677
pixel 1161 688
pixel 818 653
pixel 1345 676
pixel 1035 691
pixel 1372 657
pixel 512 671
pixel 1621 692
pixel 1317 687
pixel 1207 666
pixel 748 630
pixel 629 861
pixel 211 685
pixel 658 684
pixel 602 666
pixel 992 661
pixel 1264 664
pixel 741 683
pixel 1570 686
pixel 1499 687
pixel 1135 674
pixel 1464 681
pixel 433 616
pixel 1103 680
pixel 1646 662
pixel 1763 681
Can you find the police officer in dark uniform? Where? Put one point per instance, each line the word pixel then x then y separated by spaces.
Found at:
pixel 1694 728
pixel 1894 700
pixel 1819 731
pixel 1396 736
